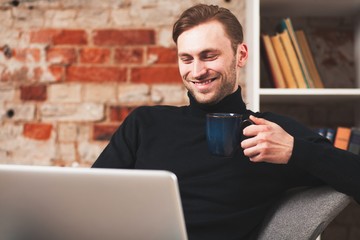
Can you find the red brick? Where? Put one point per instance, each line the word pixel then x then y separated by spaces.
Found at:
pixel 118 114
pixel 94 55
pixel 76 37
pixel 59 36
pixel 38 131
pixel 103 132
pixel 37 74
pixel 36 93
pixel 112 37
pixel 57 72
pixel 17 75
pixel 43 35
pixel 155 75
pixel 163 55
pixel 95 74
pixel 129 55
pixel 27 55
pixel 61 55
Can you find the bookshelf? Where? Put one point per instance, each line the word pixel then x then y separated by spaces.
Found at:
pixel 271 95
pixel 260 98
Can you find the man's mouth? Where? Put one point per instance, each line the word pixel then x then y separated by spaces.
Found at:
pixel 204 82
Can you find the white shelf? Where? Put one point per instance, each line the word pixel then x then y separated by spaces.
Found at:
pixel 256 96
pixel 273 95
pixel 309 7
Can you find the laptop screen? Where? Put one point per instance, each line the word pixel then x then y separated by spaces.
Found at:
pixel 68 203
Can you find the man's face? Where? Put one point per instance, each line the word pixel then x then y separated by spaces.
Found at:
pixel 207 63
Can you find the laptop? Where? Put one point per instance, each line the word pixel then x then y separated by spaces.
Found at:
pixel 52 203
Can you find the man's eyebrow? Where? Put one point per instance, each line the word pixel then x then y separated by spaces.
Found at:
pixel 183 54
pixel 205 51
pixel 210 50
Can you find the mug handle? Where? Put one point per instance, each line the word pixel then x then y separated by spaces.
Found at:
pixel 245 123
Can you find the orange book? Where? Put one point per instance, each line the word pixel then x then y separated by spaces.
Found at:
pixel 275 70
pixel 309 59
pixel 294 62
pixel 342 137
pixel 283 62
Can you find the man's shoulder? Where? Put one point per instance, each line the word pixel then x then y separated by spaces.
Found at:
pixel 157 111
pixel 275 117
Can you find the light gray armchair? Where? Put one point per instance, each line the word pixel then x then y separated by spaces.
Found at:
pixel 303 214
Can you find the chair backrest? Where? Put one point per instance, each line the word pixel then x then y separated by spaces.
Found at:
pixel 303 213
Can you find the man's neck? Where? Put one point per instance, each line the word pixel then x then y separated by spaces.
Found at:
pixel 230 103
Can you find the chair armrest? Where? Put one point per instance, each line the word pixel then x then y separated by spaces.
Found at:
pixel 303 213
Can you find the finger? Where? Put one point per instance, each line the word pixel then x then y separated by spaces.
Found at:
pixel 256 158
pixel 250 131
pixel 249 146
pixel 259 121
pixel 255 154
pixel 251 153
pixel 254 130
pixel 248 143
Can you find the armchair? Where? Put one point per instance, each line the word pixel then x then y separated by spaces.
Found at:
pixel 303 214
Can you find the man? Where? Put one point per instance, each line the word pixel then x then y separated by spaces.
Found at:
pixel 224 198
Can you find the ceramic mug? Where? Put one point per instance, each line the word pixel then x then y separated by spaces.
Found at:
pixel 224 132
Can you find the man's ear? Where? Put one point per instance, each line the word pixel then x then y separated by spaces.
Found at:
pixel 241 54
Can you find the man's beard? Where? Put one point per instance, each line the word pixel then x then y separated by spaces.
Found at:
pixel 226 88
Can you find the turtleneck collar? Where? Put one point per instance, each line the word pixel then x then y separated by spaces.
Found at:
pixel 232 103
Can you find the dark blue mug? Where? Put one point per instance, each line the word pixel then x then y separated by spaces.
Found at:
pixel 224 132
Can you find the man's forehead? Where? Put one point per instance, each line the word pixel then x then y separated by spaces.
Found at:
pixel 206 36
pixel 210 28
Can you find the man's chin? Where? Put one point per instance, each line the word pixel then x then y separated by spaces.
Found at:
pixel 205 99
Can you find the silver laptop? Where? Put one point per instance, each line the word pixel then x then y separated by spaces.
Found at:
pixel 50 203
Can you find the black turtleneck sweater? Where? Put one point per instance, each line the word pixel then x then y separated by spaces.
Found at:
pixel 224 198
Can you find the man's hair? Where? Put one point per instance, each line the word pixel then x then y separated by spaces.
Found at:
pixel 203 13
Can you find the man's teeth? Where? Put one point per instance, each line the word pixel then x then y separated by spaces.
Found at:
pixel 203 83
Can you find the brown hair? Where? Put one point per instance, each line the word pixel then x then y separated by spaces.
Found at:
pixel 202 13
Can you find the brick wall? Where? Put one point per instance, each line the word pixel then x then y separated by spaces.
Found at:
pixel 71 71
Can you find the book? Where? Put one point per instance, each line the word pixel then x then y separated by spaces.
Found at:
pixel 293 60
pixel 342 137
pixel 283 61
pixel 286 25
pixel 354 142
pixel 325 132
pixel 330 134
pixel 321 131
pixel 273 63
pixel 309 59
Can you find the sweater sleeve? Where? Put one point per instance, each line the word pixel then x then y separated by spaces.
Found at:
pixel 318 157
pixel 121 150
pixel 338 168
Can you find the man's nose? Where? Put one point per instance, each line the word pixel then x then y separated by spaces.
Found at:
pixel 199 69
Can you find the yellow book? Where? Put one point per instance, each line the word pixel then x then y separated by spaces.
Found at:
pixel 286 24
pixel 275 70
pixel 309 59
pixel 283 62
pixel 294 62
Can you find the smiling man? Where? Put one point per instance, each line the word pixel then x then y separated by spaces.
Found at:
pixel 224 197
pixel 207 62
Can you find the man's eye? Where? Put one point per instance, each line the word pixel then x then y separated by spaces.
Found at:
pixel 210 57
pixel 186 60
